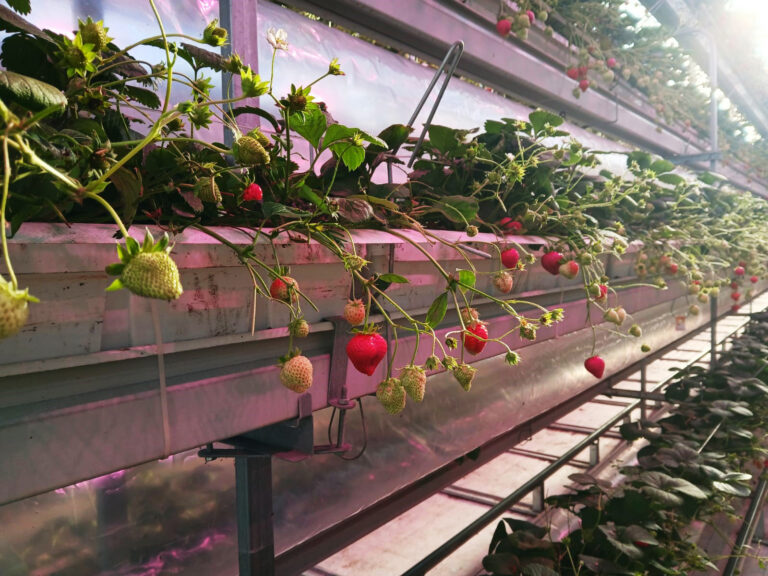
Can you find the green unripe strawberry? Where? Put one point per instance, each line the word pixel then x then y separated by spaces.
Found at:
pixel 259 136
pixel 414 380
pixel 207 190
pixel 299 328
pixel 391 394
pixel 249 152
pixel 296 373
pixel 94 33
pixel 635 331
pixel 464 374
pixel 152 275
pixel 14 308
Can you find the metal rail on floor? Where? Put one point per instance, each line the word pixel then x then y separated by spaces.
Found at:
pixel 536 483
pixel 747 528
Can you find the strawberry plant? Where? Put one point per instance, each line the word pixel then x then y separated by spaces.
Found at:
pixel 80 146
pixel 696 460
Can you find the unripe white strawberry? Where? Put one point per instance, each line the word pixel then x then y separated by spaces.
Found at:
pixel 414 380
pixel 354 312
pixel 503 281
pixel 296 374
pixel 14 308
pixel 152 275
pixel 391 394
pixel 464 374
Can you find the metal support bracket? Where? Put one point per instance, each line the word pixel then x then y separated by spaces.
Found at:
pixel 594 454
pixel 694 158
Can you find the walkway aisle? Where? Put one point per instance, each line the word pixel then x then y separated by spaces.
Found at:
pixel 401 543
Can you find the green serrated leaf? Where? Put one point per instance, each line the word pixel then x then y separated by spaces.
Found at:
pixel 445 139
pixel 30 93
pixel 437 310
pixel 310 125
pixel 467 279
pixel 540 118
pixel 352 156
pixel 662 166
pixel 395 135
pixel 393 278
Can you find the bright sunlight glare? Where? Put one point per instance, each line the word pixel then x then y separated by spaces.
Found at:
pixel 755 17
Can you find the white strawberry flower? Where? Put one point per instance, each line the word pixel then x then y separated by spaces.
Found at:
pixel 278 39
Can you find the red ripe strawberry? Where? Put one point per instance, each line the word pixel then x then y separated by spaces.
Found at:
pixel 253 193
pixel 572 73
pixel 735 296
pixel 582 71
pixel 735 308
pixel 734 285
pixel 472 344
pixel 611 62
pixel 503 281
pixel 584 85
pixel 503 27
pixel 285 289
pixel 551 262
pixel 672 268
pixel 754 279
pixel 739 271
pixel 366 351
pixel 510 225
pixel 742 264
pixel 354 312
pixel 603 293
pixel 595 366
pixel 569 269
pixel 510 257
pixel 531 16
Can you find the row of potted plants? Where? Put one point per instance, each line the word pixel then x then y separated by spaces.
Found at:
pixel 87 138
pixel 695 461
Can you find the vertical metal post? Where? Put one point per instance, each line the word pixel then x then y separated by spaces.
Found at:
pixel 255 537
pixel 713 128
pixel 537 505
pixel 112 515
pixel 643 391
pixel 594 454
pixel 712 333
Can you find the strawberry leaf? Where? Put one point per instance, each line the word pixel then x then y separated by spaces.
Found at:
pixel 437 310
pixel 393 278
pixel 467 279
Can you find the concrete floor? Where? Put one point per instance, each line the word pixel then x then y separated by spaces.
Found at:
pixel 398 545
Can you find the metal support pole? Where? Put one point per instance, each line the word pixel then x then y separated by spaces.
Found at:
pixel 594 454
pixel 712 333
pixel 537 505
pixel 713 128
pixel 255 537
pixel 643 390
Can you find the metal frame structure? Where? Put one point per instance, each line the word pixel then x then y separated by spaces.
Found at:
pixel 512 67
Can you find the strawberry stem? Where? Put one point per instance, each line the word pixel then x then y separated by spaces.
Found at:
pixel 6 188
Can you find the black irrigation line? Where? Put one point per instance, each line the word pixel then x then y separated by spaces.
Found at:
pixel 449 546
